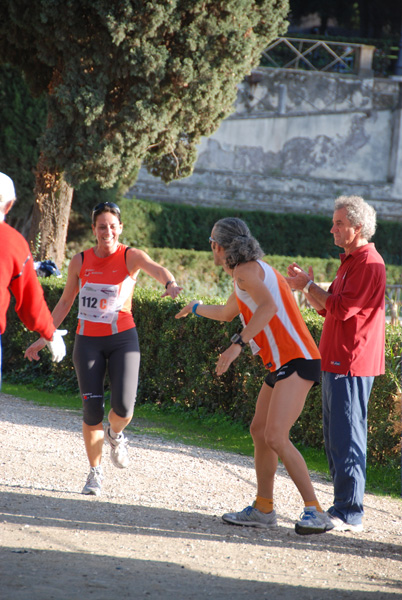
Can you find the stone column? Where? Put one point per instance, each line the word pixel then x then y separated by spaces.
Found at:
pixel 365 67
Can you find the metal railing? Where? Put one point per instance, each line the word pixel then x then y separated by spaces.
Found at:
pixel 320 55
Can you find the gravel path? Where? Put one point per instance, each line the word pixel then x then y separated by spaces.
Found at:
pixel 156 531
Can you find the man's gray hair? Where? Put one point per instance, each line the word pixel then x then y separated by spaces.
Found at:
pixel 234 236
pixel 359 212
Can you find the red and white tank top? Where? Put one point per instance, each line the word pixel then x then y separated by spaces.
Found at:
pixel 286 336
pixel 105 296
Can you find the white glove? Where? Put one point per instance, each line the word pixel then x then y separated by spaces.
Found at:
pixel 57 346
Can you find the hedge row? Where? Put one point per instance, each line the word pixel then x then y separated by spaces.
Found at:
pixel 178 367
pixel 179 226
pixel 196 272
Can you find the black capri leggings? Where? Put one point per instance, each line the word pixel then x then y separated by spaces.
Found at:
pixel 120 353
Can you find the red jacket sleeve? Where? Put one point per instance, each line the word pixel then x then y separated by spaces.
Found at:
pixel 30 305
pixel 365 281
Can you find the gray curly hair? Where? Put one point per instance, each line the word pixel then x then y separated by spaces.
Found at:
pixel 234 236
pixel 359 212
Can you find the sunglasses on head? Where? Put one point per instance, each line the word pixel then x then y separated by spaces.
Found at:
pixel 101 207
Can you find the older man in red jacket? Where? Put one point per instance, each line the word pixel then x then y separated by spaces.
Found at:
pixel 18 277
pixel 352 355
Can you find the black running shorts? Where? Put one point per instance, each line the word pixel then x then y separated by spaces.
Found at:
pixel 306 369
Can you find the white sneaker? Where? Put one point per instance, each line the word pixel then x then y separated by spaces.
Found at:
pixel 340 525
pixel 313 521
pixel 118 449
pixel 251 517
pixel 93 485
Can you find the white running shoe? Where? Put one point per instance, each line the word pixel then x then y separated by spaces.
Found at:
pixel 93 485
pixel 340 525
pixel 118 449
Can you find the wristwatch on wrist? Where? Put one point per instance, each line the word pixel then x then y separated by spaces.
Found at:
pixel 236 339
pixel 307 286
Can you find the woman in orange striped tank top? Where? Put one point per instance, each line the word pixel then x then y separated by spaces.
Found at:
pixel 274 329
pixel 106 338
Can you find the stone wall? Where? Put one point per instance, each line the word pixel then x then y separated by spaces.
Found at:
pixel 296 141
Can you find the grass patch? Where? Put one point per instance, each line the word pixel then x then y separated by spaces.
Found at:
pixel 195 428
pixel 42 397
pixel 199 428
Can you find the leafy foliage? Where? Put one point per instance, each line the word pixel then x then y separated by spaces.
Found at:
pixel 199 276
pixel 23 120
pixel 153 225
pixel 371 18
pixel 130 81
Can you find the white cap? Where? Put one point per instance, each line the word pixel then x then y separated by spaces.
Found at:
pixel 7 189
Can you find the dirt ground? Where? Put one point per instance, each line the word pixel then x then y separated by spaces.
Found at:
pixel 156 531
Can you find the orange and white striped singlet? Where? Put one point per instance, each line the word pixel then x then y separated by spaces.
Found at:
pixel 286 336
pixel 106 290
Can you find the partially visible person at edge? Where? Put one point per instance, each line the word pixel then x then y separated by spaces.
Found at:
pixel 275 329
pixel 352 349
pixel 106 337
pixel 18 276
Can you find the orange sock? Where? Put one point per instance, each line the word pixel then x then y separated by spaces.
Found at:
pixel 314 503
pixel 265 505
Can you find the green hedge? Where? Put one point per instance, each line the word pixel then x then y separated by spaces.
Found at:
pixel 196 272
pixel 178 367
pixel 180 226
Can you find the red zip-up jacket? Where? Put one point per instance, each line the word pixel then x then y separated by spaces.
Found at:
pixel 353 335
pixel 18 276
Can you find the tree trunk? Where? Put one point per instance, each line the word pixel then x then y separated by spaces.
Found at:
pixel 51 211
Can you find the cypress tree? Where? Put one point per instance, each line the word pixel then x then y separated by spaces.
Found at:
pixel 128 82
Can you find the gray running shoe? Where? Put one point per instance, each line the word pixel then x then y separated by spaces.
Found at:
pixel 118 449
pixel 339 525
pixel 93 485
pixel 251 517
pixel 313 521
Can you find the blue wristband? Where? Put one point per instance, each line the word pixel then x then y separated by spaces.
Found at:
pixel 194 309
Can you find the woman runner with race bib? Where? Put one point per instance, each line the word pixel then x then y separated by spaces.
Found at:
pixel 106 338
